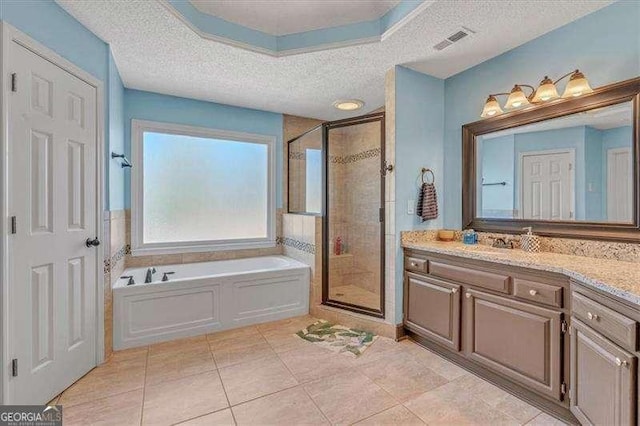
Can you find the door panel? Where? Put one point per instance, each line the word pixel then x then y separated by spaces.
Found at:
pixel 433 309
pixel 619 185
pixel 52 181
pixel 603 376
pixel 353 222
pixel 516 339
pixel 547 186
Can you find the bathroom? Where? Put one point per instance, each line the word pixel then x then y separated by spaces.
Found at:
pixel 195 281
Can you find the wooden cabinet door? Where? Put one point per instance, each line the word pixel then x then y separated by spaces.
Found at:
pixel 603 379
pixel 518 340
pixel 433 309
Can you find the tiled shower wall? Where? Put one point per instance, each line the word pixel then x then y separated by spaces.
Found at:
pixel 116 247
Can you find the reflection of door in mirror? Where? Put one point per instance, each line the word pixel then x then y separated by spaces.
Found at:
pixel 619 185
pixel 547 185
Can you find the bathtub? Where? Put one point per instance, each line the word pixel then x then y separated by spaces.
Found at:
pixel 205 297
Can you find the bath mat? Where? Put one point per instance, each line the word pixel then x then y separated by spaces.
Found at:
pixel 337 338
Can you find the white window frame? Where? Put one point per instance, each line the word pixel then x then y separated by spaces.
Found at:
pixel 138 247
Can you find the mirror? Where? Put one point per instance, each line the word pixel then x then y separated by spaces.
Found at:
pixel 578 167
pixel 305 173
pixel 569 167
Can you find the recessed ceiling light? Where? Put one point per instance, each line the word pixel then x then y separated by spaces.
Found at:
pixel 348 104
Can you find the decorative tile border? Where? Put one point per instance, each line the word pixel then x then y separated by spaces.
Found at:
pixel 297 155
pixel 117 257
pixel 348 159
pixel 299 245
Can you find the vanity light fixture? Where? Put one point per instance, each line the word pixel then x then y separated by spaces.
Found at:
pixel 517 98
pixel 348 104
pixel 546 91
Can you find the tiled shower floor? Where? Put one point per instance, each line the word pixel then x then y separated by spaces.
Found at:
pixel 264 375
pixel 355 295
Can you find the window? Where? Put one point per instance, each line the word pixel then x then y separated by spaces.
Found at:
pixel 196 189
pixel 313 184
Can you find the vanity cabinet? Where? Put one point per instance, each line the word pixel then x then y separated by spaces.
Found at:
pixel 603 386
pixel 433 309
pixel 565 347
pixel 519 340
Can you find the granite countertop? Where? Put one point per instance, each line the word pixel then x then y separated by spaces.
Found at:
pixel 618 278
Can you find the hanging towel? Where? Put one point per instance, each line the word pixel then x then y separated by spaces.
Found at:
pixel 427 208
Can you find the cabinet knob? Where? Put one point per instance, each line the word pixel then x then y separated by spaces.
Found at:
pixel 621 363
pixel 467 295
pixel 533 292
pixel 414 264
pixel 592 317
pixel 454 290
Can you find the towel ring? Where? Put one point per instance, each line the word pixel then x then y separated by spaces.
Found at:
pixel 433 177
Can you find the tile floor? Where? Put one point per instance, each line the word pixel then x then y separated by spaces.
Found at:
pixel 264 375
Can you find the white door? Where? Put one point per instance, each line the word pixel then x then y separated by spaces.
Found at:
pixel 52 185
pixel 547 186
pixel 619 185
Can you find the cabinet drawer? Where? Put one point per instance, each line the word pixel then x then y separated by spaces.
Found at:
pixel 615 326
pixel 488 280
pixel 538 292
pixel 415 264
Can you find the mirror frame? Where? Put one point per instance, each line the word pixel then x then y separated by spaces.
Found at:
pixel 625 91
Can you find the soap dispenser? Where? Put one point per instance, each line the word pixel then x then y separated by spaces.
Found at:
pixel 529 242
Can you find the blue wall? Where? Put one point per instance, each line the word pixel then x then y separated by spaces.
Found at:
pixel 116 174
pixel 498 151
pixel 170 109
pixel 419 134
pixel 605 45
pixel 52 26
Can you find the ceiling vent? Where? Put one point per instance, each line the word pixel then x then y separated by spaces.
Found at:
pixel 453 38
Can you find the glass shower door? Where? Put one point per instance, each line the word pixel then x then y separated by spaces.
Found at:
pixel 353 273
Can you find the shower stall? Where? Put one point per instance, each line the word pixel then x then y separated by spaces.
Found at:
pixel 337 170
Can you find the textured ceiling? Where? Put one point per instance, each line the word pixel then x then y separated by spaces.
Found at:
pixel 280 17
pixel 155 51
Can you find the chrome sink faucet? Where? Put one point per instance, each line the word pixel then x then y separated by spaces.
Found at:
pixel 149 277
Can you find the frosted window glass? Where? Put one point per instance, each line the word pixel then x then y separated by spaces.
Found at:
pixel 313 182
pixel 202 189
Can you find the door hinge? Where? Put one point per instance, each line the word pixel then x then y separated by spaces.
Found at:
pixel 14 225
pixel 570 166
pixel 570 215
pixel 14 367
pixel 381 214
pixel 564 326
pixel 14 82
pixel 563 388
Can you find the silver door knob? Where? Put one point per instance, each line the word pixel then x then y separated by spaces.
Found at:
pixel 592 317
pixel 621 363
pixel 533 292
pixel 92 242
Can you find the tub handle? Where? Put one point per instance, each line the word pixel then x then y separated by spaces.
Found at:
pixel 130 277
pixel 165 275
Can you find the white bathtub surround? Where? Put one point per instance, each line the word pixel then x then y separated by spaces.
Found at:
pixel 206 297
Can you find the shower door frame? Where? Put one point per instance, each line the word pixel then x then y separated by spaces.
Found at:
pixel 326 127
